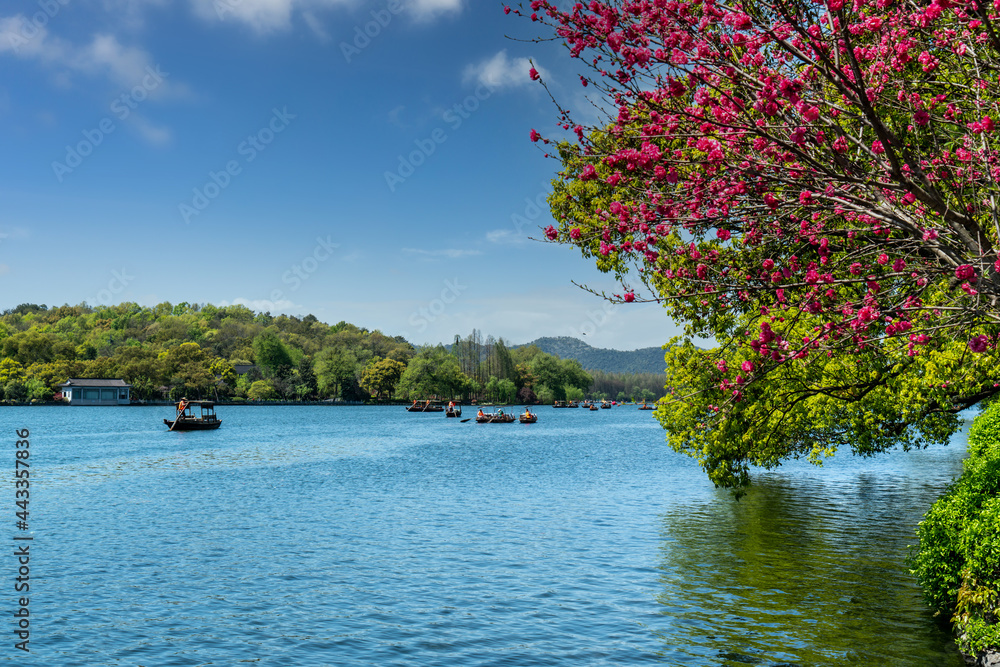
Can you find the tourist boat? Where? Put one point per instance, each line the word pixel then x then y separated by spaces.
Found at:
pixel 572 404
pixel 605 405
pixel 558 404
pixel 453 410
pixel 646 407
pixel 499 417
pixel 594 407
pixel 186 420
pixel 424 407
pixel 528 417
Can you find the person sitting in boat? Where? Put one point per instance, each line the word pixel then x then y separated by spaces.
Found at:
pixel 182 406
pixel 480 413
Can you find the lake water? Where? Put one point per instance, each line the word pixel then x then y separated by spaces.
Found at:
pixel 370 536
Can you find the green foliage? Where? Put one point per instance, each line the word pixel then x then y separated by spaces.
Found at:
pixel 958 558
pixel 271 354
pixel 336 368
pixel 883 399
pixel 381 376
pixel 433 372
pixel 186 350
pixel 261 390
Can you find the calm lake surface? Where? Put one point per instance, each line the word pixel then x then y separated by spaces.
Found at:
pixel 370 536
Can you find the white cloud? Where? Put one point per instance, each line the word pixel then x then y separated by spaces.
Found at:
pixel 505 237
pixel 266 16
pixel 500 71
pixel 155 135
pixel 427 9
pixel 316 26
pixel 128 67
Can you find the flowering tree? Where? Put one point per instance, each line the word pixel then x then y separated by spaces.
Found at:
pixel 811 183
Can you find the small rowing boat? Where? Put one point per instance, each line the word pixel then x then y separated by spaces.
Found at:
pixel 186 420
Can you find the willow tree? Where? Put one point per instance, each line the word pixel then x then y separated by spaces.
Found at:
pixel 812 184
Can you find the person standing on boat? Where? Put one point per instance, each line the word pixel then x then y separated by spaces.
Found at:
pixel 181 407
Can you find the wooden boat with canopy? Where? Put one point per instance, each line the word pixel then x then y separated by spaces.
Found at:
pixel 424 407
pixel 528 417
pixel 187 420
pixel 498 417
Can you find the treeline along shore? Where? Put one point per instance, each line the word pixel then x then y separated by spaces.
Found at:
pixel 233 354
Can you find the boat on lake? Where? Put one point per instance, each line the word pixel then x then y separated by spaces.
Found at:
pixel 187 420
pixel 594 407
pixel 572 404
pixel 646 407
pixel 498 417
pixel 558 404
pixel 605 405
pixel 424 407
pixel 453 410
pixel 528 417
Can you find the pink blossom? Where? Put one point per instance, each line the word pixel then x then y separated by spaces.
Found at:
pixel 629 297
pixel 979 344
pixel 721 365
pixel 921 118
pixel 588 173
pixel 898 265
pixel 551 233
pixel 535 136
pixel 747 366
pixel 883 259
pixel 723 234
pixel 768 264
pixel 574 233
pixel 877 147
pixel 533 73
pixel 965 272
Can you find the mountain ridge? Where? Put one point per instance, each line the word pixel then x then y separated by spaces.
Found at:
pixel 642 360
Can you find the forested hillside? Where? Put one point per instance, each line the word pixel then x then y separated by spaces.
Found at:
pixel 204 351
pixel 644 360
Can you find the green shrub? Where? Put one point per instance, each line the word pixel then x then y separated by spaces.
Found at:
pixel 958 559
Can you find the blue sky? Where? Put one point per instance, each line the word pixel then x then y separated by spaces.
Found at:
pixel 359 160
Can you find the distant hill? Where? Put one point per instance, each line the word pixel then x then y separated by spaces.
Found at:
pixel 645 360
